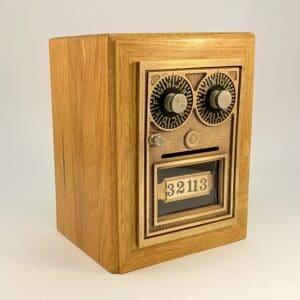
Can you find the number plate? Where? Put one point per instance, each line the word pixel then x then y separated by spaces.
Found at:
pixel 183 187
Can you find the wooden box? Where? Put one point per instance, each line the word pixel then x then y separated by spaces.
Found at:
pixel 108 148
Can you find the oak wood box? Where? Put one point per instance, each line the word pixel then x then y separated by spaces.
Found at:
pixel 99 126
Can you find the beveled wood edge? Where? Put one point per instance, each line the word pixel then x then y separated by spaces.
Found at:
pixel 163 35
pixel 112 51
pixel 238 231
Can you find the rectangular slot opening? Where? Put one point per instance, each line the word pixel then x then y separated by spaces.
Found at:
pixel 189 152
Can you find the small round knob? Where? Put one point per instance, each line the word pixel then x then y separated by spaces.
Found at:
pixel 156 140
pixel 175 103
pixel 192 139
pixel 220 99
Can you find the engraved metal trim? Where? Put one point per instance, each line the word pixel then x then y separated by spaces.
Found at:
pixel 203 212
pixel 150 72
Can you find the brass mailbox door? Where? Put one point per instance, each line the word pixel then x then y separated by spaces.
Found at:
pixel 189 138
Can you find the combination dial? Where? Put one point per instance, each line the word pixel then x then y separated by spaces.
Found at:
pixel 215 98
pixel 171 102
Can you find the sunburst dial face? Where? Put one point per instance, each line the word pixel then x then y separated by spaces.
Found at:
pixel 171 102
pixel 216 98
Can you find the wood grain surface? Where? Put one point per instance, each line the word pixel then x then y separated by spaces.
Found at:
pixel 95 105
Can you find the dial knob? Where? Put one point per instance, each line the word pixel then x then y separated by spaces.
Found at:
pixel 216 98
pixel 175 103
pixel 220 99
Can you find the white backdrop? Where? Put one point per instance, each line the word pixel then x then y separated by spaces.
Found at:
pixel 37 263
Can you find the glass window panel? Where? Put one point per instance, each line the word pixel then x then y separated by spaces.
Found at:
pixel 189 187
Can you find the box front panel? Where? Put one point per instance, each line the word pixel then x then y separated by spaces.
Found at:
pixel 158 220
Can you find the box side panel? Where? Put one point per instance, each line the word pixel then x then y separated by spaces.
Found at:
pixel 83 146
